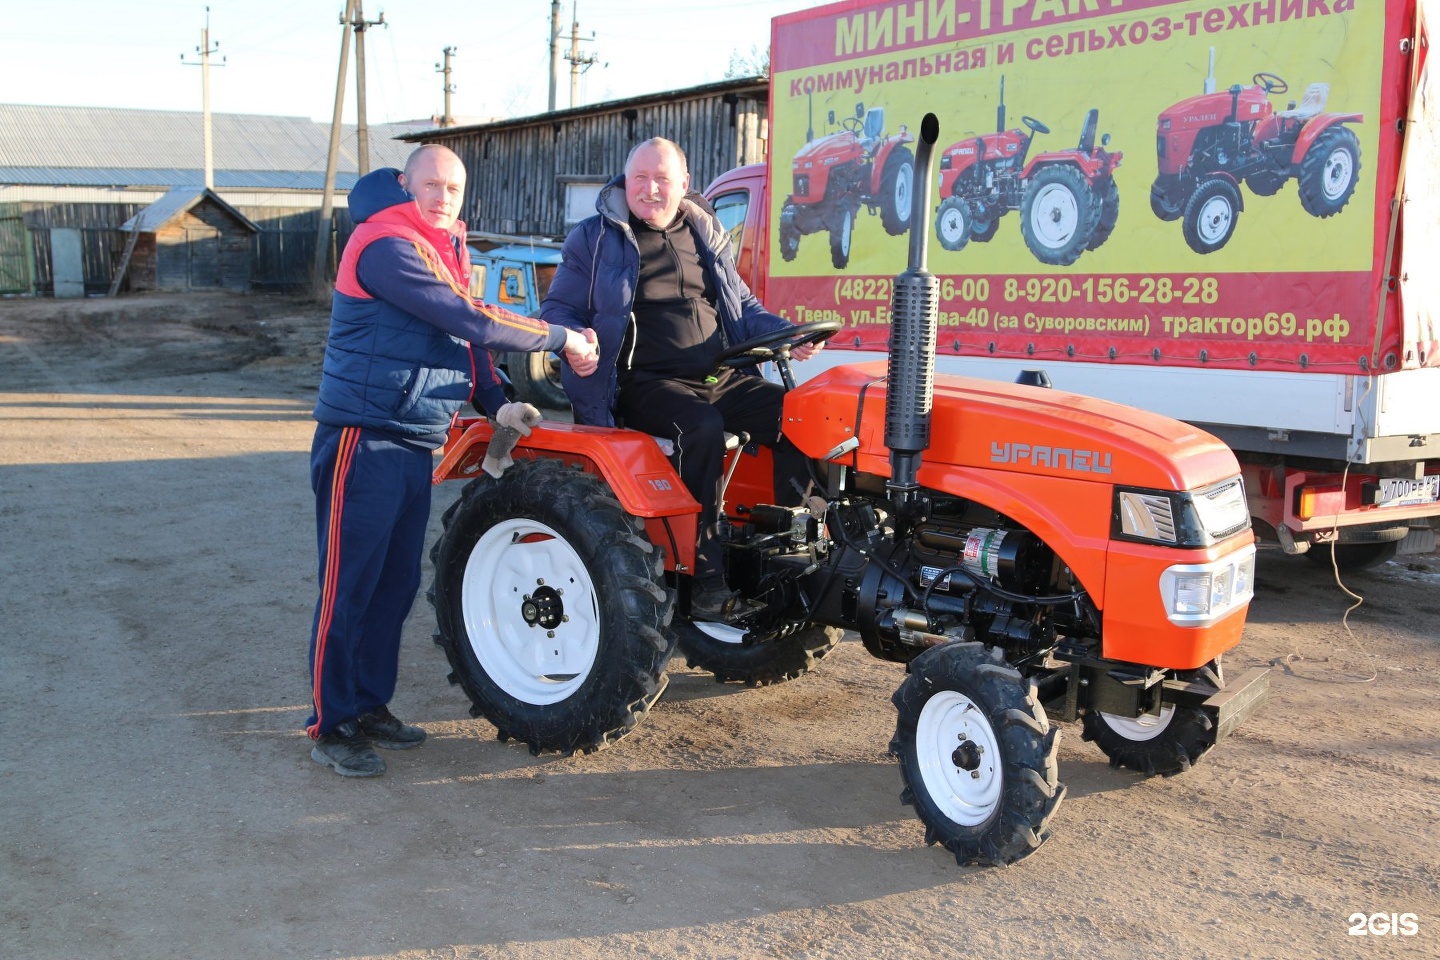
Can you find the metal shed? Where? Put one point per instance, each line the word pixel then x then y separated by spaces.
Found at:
pixel 189 239
pixel 540 175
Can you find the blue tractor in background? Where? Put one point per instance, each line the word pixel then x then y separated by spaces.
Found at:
pixel 514 272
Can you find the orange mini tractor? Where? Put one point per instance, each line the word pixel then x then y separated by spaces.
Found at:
pixel 1033 557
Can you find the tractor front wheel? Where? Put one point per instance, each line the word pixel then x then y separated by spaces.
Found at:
pixel 977 755
pixel 1058 214
pixel 897 191
pixel 1164 744
pixel 1162 206
pixel 1211 215
pixel 551 607
pixel 1329 172
pixel 952 223
pixel 721 649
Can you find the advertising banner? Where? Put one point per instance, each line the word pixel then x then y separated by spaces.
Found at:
pixel 1136 181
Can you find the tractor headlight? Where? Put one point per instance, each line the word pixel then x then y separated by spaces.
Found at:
pixel 1201 593
pixel 1180 518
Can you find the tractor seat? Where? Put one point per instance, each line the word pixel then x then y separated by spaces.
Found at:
pixel 874 123
pixel 1314 101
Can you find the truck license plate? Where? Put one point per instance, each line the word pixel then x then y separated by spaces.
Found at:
pixel 1394 493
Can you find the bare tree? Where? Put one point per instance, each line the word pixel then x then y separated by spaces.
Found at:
pixel 752 64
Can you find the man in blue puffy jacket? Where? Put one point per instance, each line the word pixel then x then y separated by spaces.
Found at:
pixel 407 347
pixel 652 274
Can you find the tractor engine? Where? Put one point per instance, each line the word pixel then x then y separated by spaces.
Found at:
pixel 952 577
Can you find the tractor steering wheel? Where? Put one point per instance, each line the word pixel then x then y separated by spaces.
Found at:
pixel 855 125
pixel 777 344
pixel 1035 125
pixel 1270 82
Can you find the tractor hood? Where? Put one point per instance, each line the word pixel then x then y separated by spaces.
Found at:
pixel 991 426
pixel 1204 110
pixel 831 145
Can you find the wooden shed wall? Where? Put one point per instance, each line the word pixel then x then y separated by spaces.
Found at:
pixel 517 174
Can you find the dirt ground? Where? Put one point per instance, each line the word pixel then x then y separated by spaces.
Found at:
pixel 157 799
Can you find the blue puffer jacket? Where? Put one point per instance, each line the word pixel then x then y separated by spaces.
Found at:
pixel 399 357
pixel 594 286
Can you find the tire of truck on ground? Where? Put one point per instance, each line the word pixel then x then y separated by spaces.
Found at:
pixel 1329 172
pixel 1211 214
pixel 977 754
pixel 1058 214
pixel 1166 744
pixel 840 238
pixel 722 650
pixel 551 607
pixel 536 377
pixel 1109 216
pixel 1361 549
pixel 897 191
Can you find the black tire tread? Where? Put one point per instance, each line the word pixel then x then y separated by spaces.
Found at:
pixel 788 657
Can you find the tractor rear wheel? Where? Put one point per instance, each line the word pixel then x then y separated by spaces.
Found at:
pixel 840 238
pixel 897 191
pixel 1058 214
pixel 721 649
pixel 1166 744
pixel 1329 172
pixel 977 754
pixel 1109 215
pixel 952 223
pixel 551 607
pixel 1211 215
pixel 536 377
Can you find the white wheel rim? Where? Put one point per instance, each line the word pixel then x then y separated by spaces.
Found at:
pixel 1214 220
pixel 1338 172
pixel 948 721
pixel 719 631
pixel 903 182
pixel 952 224
pixel 523 568
pixel 1147 726
pixel 1054 216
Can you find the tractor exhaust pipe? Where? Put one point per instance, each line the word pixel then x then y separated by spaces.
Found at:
pixel 914 309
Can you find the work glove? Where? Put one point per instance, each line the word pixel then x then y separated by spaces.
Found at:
pixel 512 421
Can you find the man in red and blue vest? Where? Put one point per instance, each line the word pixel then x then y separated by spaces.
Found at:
pixel 407 347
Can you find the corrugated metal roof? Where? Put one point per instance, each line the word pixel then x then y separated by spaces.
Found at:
pixel 106 146
pixel 173 204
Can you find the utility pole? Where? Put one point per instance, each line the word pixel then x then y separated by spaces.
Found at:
pixel 578 64
pixel 327 201
pixel 447 119
pixel 554 50
pixel 362 128
pixel 205 50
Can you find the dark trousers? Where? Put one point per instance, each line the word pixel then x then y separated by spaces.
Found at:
pixel 372 505
pixel 696 415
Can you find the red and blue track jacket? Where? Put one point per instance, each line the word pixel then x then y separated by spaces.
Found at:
pixel 399 357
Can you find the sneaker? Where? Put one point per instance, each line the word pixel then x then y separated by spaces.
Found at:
pixel 347 751
pixel 713 600
pixel 384 730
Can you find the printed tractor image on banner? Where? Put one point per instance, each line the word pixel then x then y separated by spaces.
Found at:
pixel 1116 180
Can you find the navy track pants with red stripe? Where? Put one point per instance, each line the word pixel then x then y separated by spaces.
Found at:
pixel 372 505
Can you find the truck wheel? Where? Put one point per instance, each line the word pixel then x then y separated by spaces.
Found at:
pixel 721 649
pixel 1329 172
pixel 897 191
pixel 1211 215
pixel 840 239
pixel 1361 549
pixel 551 608
pixel 1162 206
pixel 1058 214
pixel 1109 215
pixel 977 755
pixel 952 223
pixel 537 379
pixel 1166 744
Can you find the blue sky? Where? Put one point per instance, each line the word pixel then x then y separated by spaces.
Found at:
pixel 281 55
